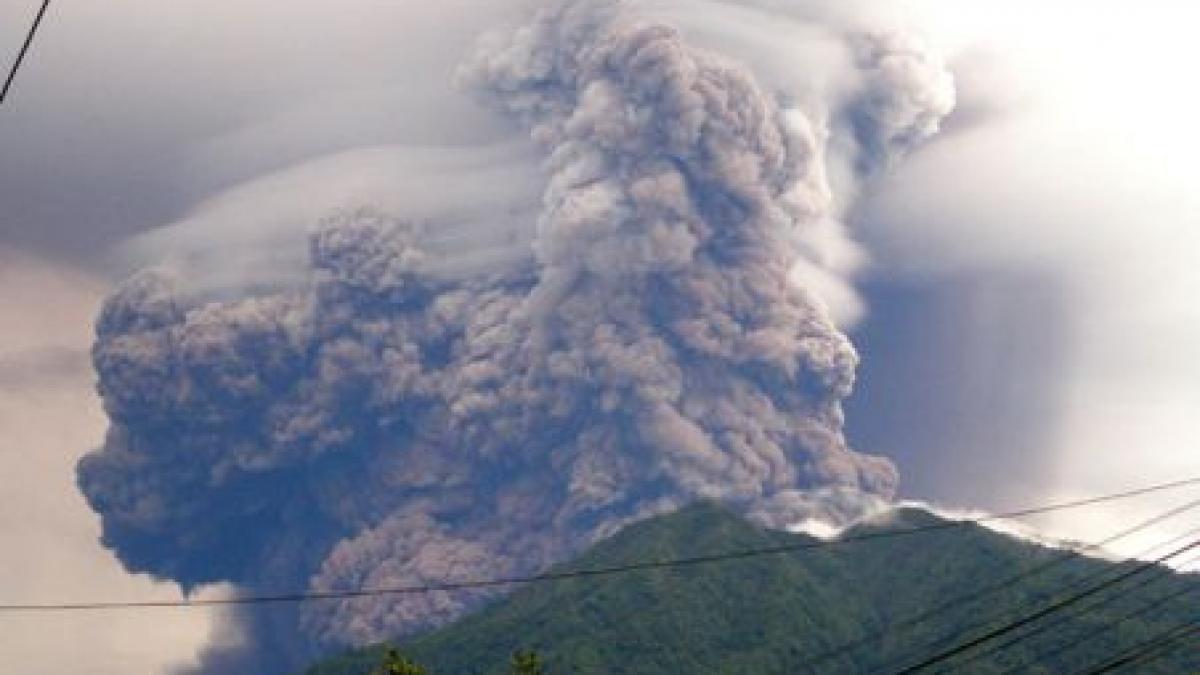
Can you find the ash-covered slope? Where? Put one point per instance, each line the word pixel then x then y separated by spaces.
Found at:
pixel 772 614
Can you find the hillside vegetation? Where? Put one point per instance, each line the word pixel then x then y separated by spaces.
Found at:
pixel 778 613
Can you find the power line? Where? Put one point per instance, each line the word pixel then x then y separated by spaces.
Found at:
pixel 1063 618
pixel 972 596
pixel 1077 583
pixel 593 572
pixel 1092 634
pixel 12 74
pixel 1156 646
pixel 1045 611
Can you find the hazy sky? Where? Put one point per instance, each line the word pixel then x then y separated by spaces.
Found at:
pixel 1031 300
pixel 1077 184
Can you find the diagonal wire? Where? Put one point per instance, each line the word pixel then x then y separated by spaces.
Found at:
pixel 1065 617
pixel 1097 631
pixel 972 596
pixel 12 73
pixel 591 572
pixel 1147 650
pixel 1053 607
pixel 1059 620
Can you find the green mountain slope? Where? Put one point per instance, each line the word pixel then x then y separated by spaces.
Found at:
pixel 774 613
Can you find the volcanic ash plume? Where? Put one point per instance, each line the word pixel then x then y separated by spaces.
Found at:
pixel 383 426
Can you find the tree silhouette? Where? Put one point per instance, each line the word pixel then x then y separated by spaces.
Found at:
pixel 525 662
pixel 394 663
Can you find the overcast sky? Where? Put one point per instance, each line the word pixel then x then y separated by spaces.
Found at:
pixel 1031 301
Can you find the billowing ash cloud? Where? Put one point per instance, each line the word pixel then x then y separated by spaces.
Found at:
pixel 382 424
pixel 907 93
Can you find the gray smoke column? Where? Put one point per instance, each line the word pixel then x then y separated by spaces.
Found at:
pixel 380 425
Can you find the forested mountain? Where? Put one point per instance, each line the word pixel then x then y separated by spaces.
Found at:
pixel 797 611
